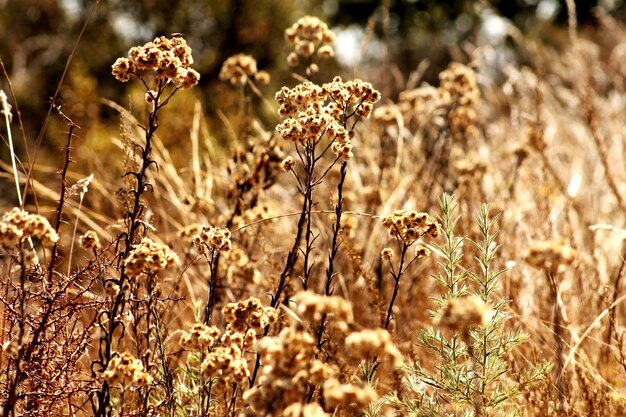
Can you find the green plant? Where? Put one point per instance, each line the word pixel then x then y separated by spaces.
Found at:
pixel 468 376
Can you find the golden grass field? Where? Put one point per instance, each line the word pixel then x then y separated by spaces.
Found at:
pixel 457 250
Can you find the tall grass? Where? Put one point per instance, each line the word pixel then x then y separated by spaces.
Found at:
pixel 340 259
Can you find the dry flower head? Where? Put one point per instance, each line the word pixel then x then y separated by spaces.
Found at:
pixel 550 254
pixel 169 58
pixel 409 225
pixel 213 239
pixel 463 313
pixel 309 36
pixel 126 370
pixel 372 343
pixel 313 111
pixel 17 224
pixel 90 241
pixel 148 258
pixel 238 69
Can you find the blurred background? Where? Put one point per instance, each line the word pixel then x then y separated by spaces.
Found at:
pixel 387 40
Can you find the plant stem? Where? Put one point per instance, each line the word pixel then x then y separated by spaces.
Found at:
pixel 102 407
pixel 396 276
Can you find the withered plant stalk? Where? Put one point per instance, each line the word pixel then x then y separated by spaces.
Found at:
pixel 109 320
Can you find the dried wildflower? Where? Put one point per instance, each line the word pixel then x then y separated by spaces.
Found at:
pixel 421 251
pixel 199 337
pixel 549 254
pixel 313 111
pixel 148 258
pixel 343 150
pixel 262 77
pixel 325 51
pixel 289 368
pixel 310 35
pixel 336 393
pixel 459 91
pixel 387 114
pixel 126 370
pixel 249 314
pixel 312 69
pixel 111 289
pixel 419 104
pixel 387 254
pixel 17 224
pixel 90 241
pixel 292 59
pixel 287 164
pixel 123 68
pixel 227 364
pixel 188 232
pixel 371 343
pixel 150 96
pixel 212 239
pixel 409 225
pixel 312 307
pixel 465 312
pixel 10 235
pixel 239 68
pixel 168 58
pixel 186 77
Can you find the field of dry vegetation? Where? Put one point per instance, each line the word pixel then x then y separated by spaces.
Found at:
pixel 456 249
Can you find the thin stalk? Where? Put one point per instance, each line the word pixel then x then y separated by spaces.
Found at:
pixel 80 206
pixel 308 235
pixel 6 110
pixel 396 276
pixel 557 329
pixel 292 257
pixel 334 248
pixel 211 298
pixel 102 407
pixel 9 405
pixel 59 210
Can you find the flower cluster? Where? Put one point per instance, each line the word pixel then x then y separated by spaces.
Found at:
pixel 459 91
pixel 465 312
pixel 127 370
pixel 212 239
pixel 387 254
pixel 200 337
pixel 309 36
pixel 419 103
pixel 336 393
pixel 311 307
pixel 169 58
pixel 227 364
pixel 387 114
pixel 90 241
pixel 148 258
pixel 409 225
pixel 549 254
pixel 249 314
pixel 17 224
pixel 239 68
pixel 223 353
pixel 287 164
pixel 289 368
pixel 373 343
pixel 312 111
